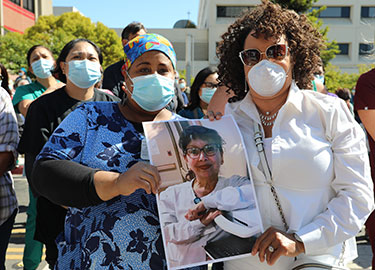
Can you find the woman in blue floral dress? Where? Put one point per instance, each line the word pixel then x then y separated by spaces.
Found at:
pixel 93 164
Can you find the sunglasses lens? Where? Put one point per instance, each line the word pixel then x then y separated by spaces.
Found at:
pixel 250 57
pixel 276 52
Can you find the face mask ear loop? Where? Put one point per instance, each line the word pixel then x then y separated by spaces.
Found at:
pixel 125 98
pixel 246 86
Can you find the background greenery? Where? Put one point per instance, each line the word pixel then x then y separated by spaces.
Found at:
pixel 54 32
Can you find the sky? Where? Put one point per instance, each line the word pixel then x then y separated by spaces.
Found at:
pixel 119 13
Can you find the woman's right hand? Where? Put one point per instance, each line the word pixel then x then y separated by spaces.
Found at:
pixel 216 107
pixel 140 175
pixel 213 115
pixel 196 211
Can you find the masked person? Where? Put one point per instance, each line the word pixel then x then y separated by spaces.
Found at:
pixel 92 164
pixel 312 178
pixel 79 66
pixel 201 92
pixel 40 61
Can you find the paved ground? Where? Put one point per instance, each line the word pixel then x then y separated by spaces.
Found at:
pixel 16 246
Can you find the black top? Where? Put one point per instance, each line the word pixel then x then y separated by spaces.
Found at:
pixel 46 113
pixel 43 117
pixel 113 79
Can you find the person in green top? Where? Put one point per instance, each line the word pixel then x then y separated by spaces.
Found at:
pixel 40 61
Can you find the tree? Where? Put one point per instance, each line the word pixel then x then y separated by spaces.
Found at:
pixel 331 46
pixel 336 79
pixel 54 32
pixel 13 49
pixel 305 6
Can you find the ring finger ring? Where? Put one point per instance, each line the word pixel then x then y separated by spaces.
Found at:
pixel 271 249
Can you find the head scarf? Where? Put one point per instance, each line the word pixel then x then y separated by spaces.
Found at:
pixel 144 43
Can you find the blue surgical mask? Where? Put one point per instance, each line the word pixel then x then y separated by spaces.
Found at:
pixel 42 68
pixel 207 94
pixel 84 73
pixel 319 78
pixel 152 92
pixel 182 85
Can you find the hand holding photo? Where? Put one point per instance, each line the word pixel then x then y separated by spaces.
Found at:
pixel 207 204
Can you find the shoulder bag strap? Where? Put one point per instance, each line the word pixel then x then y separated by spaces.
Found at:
pixel 258 138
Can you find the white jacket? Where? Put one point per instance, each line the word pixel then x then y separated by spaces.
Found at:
pixel 321 172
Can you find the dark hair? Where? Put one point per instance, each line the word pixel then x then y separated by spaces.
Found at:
pixel 194 89
pixel 132 28
pixel 271 21
pixel 64 53
pixel 32 49
pixel 199 133
pixel 5 79
pixel 343 93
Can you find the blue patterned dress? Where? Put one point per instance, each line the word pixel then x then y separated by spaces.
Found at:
pixel 123 233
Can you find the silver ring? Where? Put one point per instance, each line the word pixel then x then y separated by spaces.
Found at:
pixel 271 249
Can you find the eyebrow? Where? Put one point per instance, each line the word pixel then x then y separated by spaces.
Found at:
pixel 143 63
pixel 80 53
pixel 148 63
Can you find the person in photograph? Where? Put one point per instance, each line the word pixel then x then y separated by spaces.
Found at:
pixel 314 191
pixel 203 152
pixel 92 164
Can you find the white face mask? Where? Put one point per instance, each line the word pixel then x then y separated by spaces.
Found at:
pixel 266 78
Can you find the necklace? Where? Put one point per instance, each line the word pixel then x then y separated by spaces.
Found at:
pixel 267 119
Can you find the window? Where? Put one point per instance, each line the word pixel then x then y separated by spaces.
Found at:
pixel 334 12
pixel 29 5
pixel 18 2
pixel 366 49
pixel 368 12
pixel 231 11
pixel 344 48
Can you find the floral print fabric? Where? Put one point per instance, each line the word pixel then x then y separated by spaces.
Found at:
pixel 122 233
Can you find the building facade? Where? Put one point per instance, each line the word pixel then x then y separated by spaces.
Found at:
pixel 17 15
pixel 351 23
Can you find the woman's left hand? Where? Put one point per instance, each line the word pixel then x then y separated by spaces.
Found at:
pixel 273 244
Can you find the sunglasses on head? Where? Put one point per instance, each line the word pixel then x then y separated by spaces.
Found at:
pixel 276 52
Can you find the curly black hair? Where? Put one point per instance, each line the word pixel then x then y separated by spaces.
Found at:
pixel 269 20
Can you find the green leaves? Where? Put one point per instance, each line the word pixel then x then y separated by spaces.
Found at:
pixel 336 79
pixel 54 32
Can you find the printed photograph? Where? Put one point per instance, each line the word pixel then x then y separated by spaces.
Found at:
pixel 207 205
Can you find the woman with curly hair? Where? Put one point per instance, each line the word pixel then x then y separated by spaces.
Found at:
pixel 309 161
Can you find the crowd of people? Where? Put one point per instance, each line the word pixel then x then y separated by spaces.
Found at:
pixel 92 196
